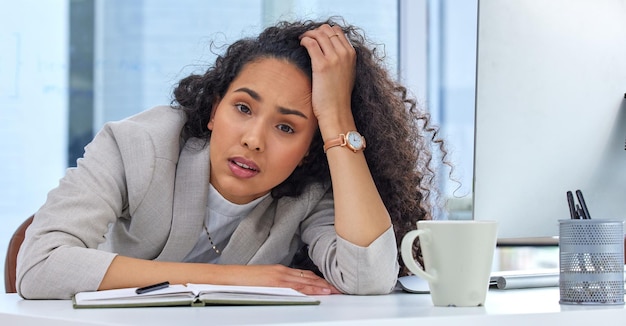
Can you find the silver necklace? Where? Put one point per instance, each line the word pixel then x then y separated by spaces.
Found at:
pixel 210 240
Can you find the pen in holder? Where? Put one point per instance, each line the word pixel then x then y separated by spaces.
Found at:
pixel 591 261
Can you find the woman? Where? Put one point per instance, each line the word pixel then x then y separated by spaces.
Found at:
pixel 294 161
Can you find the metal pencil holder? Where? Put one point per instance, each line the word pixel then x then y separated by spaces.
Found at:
pixel 591 262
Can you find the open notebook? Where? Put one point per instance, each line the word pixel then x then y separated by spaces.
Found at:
pixel 193 295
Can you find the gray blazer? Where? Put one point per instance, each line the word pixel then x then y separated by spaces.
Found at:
pixel 140 191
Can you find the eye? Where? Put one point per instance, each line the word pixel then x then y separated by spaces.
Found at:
pixel 243 108
pixel 285 128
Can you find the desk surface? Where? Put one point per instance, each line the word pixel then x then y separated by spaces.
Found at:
pixel 503 307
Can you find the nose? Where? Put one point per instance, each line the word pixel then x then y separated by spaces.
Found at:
pixel 253 138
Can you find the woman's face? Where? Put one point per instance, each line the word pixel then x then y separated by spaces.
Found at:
pixel 261 129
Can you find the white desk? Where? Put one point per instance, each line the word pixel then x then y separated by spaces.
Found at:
pixel 510 308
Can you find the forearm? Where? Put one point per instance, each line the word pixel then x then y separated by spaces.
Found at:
pixel 360 215
pixel 132 272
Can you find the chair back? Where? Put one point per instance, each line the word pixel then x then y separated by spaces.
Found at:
pixel 10 263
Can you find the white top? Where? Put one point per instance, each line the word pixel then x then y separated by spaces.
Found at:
pixel 221 221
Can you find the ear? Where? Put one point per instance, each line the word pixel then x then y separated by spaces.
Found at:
pixel 210 125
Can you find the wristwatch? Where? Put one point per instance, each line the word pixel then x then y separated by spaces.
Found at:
pixel 352 140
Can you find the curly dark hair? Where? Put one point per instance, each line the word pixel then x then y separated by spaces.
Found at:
pixel 400 137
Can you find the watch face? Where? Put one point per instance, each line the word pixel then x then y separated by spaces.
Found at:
pixel 355 140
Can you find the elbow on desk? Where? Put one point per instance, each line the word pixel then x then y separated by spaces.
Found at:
pixel 375 285
pixel 28 284
pixel 369 270
pixel 39 283
pixel 62 273
pixel 33 280
pixel 26 289
pixel 383 281
pixel 36 283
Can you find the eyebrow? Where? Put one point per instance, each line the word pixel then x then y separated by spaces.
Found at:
pixel 282 110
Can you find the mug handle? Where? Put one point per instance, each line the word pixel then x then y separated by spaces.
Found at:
pixel 406 249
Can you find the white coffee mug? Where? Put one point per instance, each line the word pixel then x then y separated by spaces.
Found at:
pixel 457 257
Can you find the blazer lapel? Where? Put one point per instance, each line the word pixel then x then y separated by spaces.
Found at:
pixel 250 234
pixel 190 200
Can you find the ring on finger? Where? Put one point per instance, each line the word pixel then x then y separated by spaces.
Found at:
pixel 301 274
pixel 333 35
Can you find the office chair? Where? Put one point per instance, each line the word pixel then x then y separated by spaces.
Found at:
pixel 11 259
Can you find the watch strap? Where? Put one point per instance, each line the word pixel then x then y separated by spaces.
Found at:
pixel 339 141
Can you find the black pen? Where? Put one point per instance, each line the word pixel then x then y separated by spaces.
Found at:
pixel 581 200
pixel 570 203
pixel 152 287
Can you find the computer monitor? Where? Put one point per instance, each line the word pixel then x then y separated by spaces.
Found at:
pixel 550 112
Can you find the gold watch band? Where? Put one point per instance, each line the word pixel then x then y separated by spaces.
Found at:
pixel 339 141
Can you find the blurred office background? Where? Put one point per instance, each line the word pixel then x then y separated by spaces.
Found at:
pixel 69 66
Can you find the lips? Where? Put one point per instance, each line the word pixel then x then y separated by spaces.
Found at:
pixel 243 168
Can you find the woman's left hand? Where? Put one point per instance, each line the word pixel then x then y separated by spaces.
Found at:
pixel 333 60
